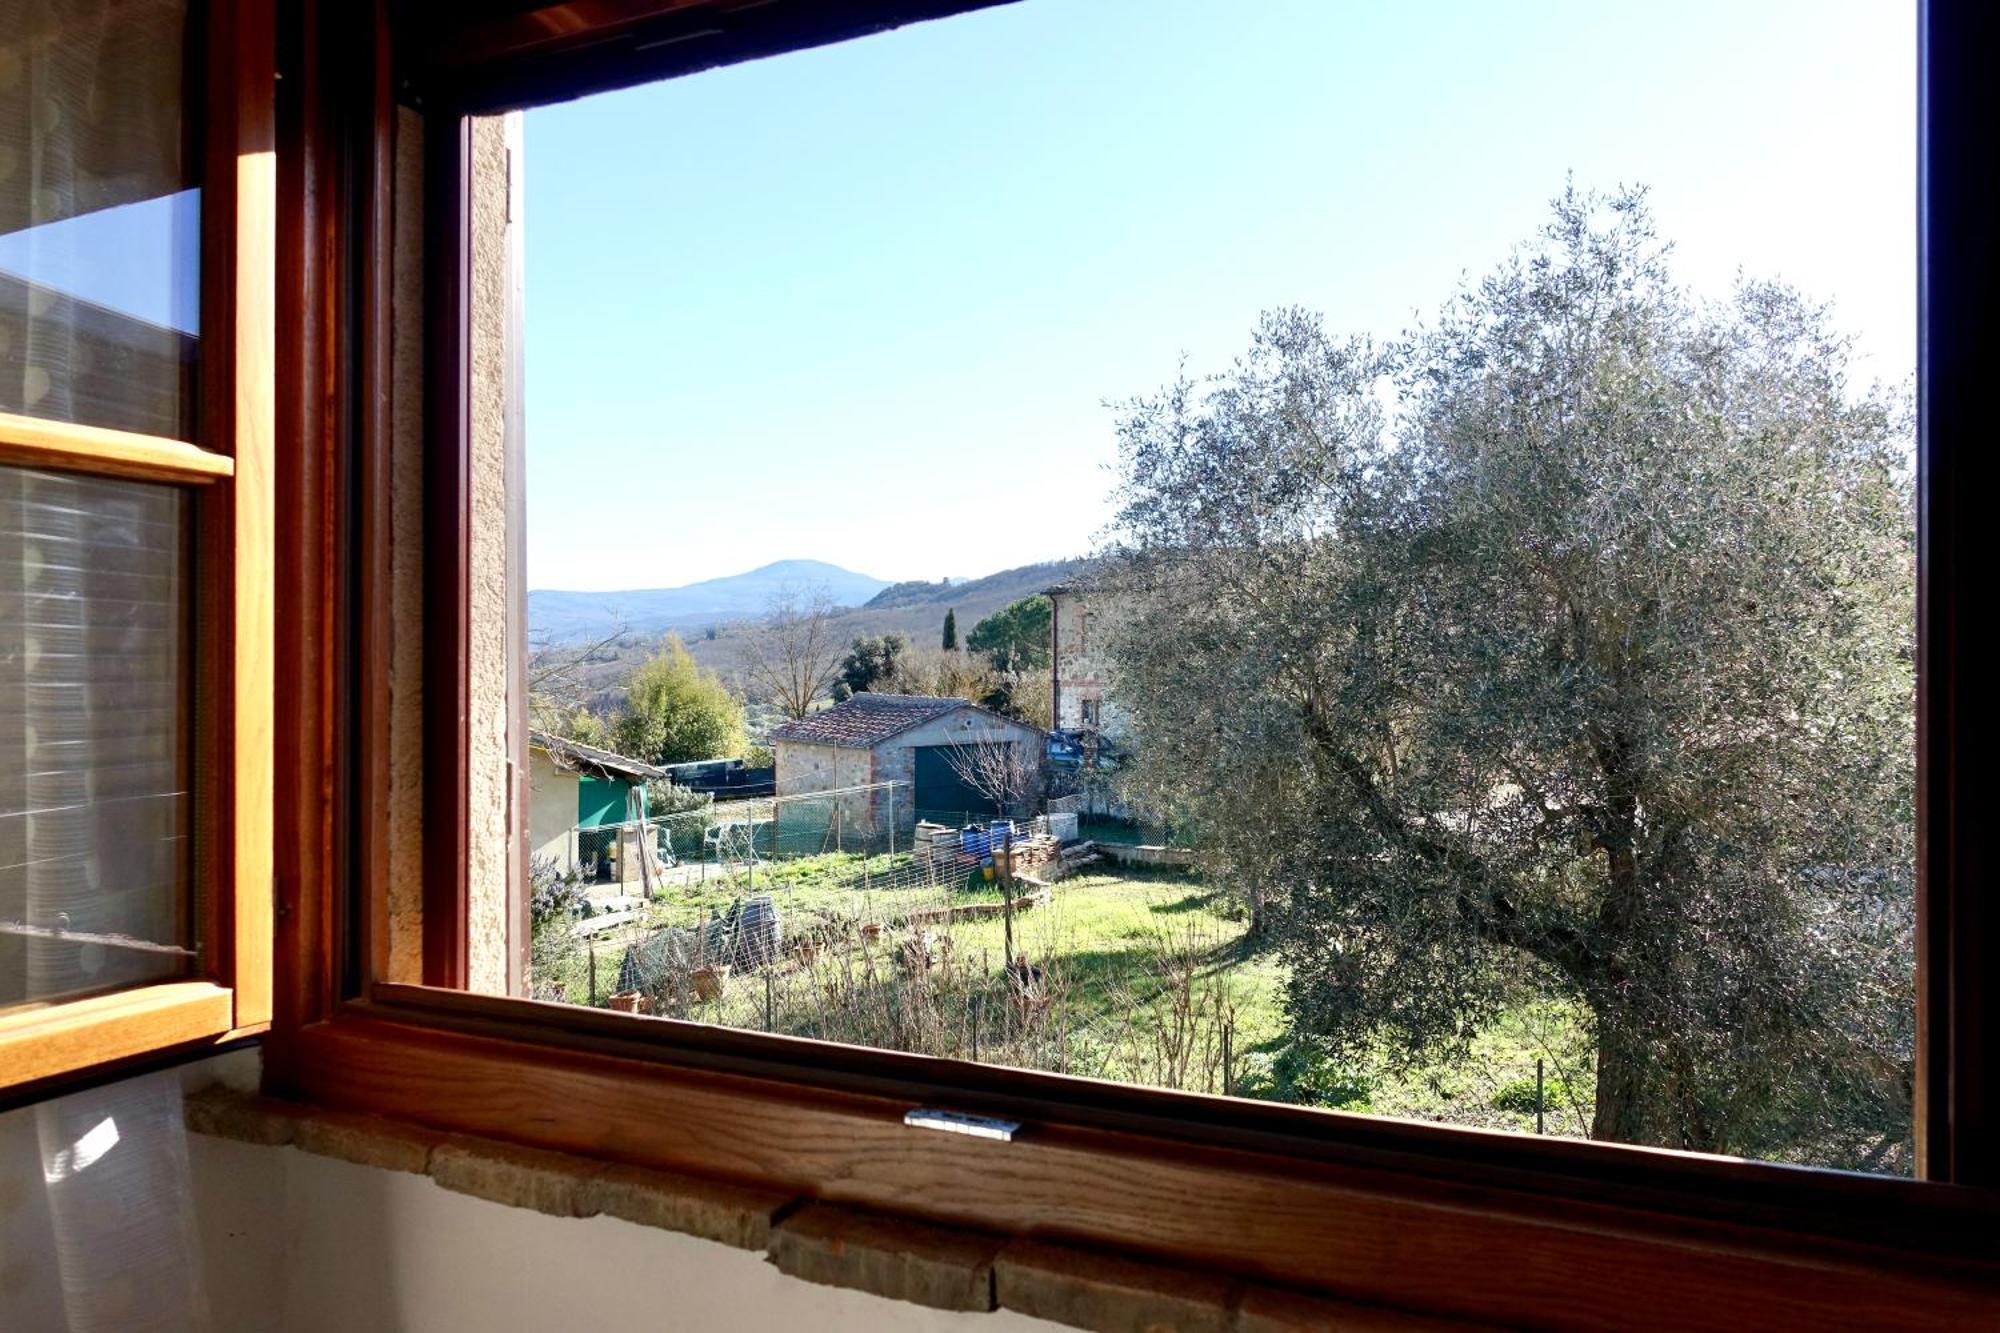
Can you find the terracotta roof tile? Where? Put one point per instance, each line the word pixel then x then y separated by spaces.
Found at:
pixel 866 720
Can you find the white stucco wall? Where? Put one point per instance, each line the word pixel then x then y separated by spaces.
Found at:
pixel 897 762
pixel 206 1234
pixel 370 1249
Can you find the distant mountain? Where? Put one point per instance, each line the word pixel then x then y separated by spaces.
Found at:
pixel 915 610
pixel 556 616
pixel 994 591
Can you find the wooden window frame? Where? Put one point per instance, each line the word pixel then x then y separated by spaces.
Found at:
pixel 1424 1217
pixel 51 1045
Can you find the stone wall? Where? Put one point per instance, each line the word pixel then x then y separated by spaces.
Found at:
pixel 803 769
pixel 1081 620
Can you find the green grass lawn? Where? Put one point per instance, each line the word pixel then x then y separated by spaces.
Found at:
pixel 1138 976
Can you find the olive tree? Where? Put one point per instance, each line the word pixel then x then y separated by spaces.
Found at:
pixel 1570 637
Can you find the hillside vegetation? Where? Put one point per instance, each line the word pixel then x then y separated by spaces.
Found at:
pixel 915 610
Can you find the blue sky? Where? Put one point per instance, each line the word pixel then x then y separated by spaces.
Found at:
pixel 866 304
pixel 141 259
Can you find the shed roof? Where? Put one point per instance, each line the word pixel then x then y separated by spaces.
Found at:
pixel 866 720
pixel 603 763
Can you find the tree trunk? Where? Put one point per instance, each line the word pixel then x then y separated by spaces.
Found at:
pixel 1620 1115
pixel 1260 918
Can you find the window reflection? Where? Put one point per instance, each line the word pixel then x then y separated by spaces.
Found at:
pixel 99 215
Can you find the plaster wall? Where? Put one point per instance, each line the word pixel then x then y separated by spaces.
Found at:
pixel 494 862
pixel 162 1231
pixel 552 806
pixel 398 934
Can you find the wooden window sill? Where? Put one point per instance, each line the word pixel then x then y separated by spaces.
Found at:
pixel 1448 1223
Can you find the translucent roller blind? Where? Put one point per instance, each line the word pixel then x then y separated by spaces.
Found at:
pixel 94 734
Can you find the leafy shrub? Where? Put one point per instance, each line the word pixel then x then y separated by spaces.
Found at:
pixel 668 798
pixel 1519 1096
pixel 1304 1073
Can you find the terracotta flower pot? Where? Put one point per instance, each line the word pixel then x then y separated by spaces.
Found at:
pixel 629 1002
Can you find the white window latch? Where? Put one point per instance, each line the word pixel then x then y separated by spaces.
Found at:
pixel 957 1122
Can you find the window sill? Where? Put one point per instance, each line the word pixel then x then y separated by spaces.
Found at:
pixel 899 1258
pixel 1415 1217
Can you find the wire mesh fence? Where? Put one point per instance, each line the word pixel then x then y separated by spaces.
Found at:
pixel 960 938
pixel 705 841
pixel 853 916
pixel 953 946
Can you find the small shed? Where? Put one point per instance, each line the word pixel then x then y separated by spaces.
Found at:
pixel 934 745
pixel 584 803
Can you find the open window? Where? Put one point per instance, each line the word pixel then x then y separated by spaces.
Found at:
pixel 424 988
pixel 136 179
pixel 1503 718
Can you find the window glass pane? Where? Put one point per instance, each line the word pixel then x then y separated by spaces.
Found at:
pixel 99 214
pixel 1266 555
pixel 94 734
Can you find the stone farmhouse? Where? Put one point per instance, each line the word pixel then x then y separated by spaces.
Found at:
pixel 1079 675
pixel 917 740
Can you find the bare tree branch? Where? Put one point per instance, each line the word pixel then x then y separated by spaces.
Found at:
pixel 1007 773
pixel 555 685
pixel 793 657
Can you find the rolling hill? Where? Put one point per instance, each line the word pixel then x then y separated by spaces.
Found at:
pixel 556 616
pixel 915 610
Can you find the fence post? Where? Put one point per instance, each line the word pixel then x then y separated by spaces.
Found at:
pixel 1538 1094
pixel 592 943
pixel 767 997
pixel 1229 1058
pixel 1007 888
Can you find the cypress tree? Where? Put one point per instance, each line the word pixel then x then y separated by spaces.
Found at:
pixel 951 630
